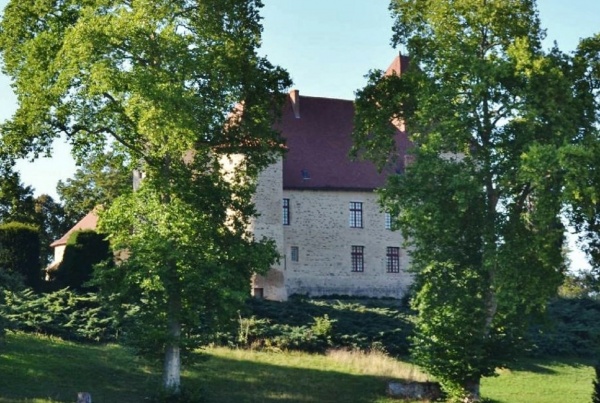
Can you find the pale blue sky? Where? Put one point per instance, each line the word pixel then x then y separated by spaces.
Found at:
pixel 327 46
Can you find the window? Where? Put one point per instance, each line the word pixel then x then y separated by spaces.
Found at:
pixel 388 221
pixel 294 252
pixel 393 259
pixel 356 215
pixel 286 211
pixel 358 258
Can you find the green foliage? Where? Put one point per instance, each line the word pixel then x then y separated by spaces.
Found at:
pixel 174 87
pixel 20 252
pixel 491 117
pixel 580 159
pixel 84 250
pixel 53 222
pixel 16 200
pixel 316 325
pixel 101 178
pixel 63 313
pixel 571 328
pixel 177 252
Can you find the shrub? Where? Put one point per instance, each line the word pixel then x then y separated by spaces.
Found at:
pixel 317 325
pixel 572 328
pixel 63 313
pixel 83 251
pixel 20 252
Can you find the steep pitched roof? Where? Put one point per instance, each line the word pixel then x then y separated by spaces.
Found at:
pixel 318 133
pixel 89 222
pixel 398 65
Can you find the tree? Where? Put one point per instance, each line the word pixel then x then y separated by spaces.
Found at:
pixel 53 222
pixel 490 115
pixel 16 200
pixel 20 253
pixel 177 85
pixel 84 250
pixel 581 159
pixel 99 180
pixel 18 204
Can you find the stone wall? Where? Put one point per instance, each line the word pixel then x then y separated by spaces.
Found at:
pixel 320 229
pixel 268 201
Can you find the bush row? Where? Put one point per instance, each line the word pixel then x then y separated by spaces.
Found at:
pixel 63 313
pixel 315 325
pixel 572 327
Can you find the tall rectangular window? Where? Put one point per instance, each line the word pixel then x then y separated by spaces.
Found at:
pixel 388 221
pixel 358 258
pixel 393 259
pixel 295 252
pixel 286 211
pixel 356 215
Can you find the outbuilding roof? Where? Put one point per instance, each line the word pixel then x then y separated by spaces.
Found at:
pixel 89 222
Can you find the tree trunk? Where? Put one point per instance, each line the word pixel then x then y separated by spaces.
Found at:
pixel 472 391
pixel 172 364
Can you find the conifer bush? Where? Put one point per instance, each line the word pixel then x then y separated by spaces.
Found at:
pixel 20 253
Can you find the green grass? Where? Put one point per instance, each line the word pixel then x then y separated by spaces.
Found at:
pixel 542 381
pixel 42 370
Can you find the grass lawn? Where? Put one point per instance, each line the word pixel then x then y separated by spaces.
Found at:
pixel 542 381
pixel 42 370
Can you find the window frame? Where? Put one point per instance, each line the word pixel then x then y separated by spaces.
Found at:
pixel 392 259
pixel 286 219
pixel 388 220
pixel 357 258
pixel 294 254
pixel 356 214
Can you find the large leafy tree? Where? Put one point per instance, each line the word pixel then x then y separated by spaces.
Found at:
pixel 53 223
pixel 582 159
pixel 490 114
pixel 101 178
pixel 17 202
pixel 178 85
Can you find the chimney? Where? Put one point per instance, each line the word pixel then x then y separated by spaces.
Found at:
pixel 295 98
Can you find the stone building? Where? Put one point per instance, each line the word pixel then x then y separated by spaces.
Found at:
pixel 320 207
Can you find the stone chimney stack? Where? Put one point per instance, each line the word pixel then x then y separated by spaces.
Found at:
pixel 295 98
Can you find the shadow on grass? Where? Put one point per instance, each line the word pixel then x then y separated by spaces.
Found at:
pixel 34 367
pixel 227 380
pixel 541 365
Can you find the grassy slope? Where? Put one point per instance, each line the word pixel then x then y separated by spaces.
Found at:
pixel 41 370
pixel 542 381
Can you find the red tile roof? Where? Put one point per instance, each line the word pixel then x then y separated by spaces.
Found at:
pixel 398 66
pixel 319 143
pixel 89 222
